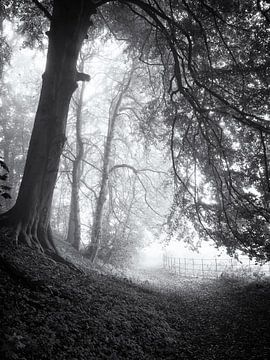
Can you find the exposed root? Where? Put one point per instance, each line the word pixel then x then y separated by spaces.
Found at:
pixel 59 259
pixel 38 239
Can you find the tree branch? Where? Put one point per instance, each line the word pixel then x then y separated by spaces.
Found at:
pixel 82 77
pixel 43 9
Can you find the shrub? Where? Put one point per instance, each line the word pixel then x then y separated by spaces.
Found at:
pixel 4 188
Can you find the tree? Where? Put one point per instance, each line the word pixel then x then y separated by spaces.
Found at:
pixel 74 225
pixel 4 47
pixel 31 214
pixel 200 46
pixel 221 165
pixel 125 140
pixel 15 131
pixel 98 215
pixel 218 113
pixel 74 230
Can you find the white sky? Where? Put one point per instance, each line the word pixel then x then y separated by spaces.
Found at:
pixel 151 255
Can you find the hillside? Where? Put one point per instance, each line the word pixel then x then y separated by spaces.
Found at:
pixel 50 311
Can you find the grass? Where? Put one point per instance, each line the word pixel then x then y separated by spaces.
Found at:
pixel 49 311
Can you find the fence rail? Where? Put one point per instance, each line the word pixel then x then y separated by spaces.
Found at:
pixel 211 268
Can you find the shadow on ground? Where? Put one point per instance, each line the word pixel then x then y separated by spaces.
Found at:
pixel 49 311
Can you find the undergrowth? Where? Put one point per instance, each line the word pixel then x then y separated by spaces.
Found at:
pixel 49 311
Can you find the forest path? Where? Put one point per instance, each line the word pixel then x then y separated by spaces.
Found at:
pixel 53 312
pixel 164 281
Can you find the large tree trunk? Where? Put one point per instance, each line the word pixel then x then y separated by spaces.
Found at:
pixel 30 215
pixel 96 235
pixel 74 224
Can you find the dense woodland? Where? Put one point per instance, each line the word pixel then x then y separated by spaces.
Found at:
pixel 121 121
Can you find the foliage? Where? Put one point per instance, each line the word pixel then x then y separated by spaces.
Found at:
pixel 28 19
pixel 44 304
pixel 4 53
pixel 15 129
pixel 5 49
pixel 220 128
pixel 217 108
pixel 4 188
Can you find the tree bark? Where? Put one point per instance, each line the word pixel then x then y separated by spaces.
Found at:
pixel 30 215
pixel 74 224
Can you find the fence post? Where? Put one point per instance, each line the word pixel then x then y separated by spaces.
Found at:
pixel 186 267
pixel 179 266
pixel 193 267
pixel 216 267
pixel 202 269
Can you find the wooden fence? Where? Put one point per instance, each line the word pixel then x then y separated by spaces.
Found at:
pixel 211 268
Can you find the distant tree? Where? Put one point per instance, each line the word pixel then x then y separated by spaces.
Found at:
pixel 138 202
pixel 115 109
pixel 74 225
pixel 15 132
pixel 5 49
pixel 122 237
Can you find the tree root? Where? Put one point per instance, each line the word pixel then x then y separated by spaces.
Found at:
pixel 59 259
pixel 17 235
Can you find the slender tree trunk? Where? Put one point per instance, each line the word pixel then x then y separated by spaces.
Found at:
pixel 30 215
pixel 96 235
pixel 1 36
pixel 74 225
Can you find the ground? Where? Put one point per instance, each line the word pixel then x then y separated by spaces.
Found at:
pixel 50 311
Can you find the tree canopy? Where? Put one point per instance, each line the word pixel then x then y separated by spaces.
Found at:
pixel 211 60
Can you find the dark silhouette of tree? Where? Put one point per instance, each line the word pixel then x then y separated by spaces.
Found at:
pixel 30 215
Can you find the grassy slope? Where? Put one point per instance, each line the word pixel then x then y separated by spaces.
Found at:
pixel 52 312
